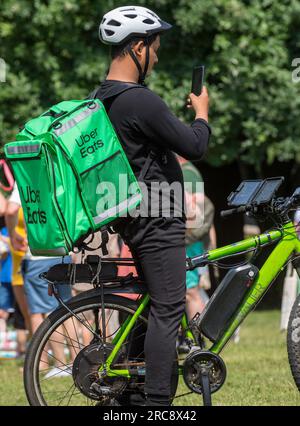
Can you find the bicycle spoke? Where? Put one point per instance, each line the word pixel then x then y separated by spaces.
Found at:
pixel 71 387
pixel 56 359
pixel 71 395
pixel 74 329
pixel 69 337
pixel 61 334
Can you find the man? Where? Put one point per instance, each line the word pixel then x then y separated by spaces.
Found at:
pixel 144 124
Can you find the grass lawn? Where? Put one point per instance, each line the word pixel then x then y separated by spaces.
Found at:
pixel 257 370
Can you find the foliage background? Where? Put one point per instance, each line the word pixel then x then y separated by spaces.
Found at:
pixel 52 52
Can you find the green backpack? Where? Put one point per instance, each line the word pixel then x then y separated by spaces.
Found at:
pixel 72 174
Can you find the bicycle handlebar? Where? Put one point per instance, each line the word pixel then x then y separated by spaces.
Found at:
pixel 277 206
pixel 241 209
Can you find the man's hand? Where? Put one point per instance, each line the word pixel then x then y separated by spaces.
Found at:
pixel 200 104
pixel 18 242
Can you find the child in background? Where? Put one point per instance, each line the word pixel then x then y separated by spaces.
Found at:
pixel 6 293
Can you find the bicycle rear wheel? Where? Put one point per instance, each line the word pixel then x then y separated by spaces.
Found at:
pixel 293 341
pixel 63 359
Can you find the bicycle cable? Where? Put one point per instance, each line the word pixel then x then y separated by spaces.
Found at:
pixel 278 227
pixel 236 265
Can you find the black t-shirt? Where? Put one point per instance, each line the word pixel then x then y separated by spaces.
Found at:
pixel 143 122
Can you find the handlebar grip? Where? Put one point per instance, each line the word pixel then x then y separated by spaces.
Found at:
pixel 225 213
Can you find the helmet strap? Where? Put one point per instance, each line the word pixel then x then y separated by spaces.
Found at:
pixel 142 74
pixel 146 61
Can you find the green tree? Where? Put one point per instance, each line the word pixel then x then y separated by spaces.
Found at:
pixel 52 52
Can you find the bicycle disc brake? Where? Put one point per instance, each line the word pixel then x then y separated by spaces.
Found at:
pixel 199 361
pixel 86 376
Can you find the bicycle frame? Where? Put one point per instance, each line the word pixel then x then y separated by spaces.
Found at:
pixel 287 245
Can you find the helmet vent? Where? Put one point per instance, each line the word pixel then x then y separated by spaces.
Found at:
pixel 131 16
pixel 148 21
pixel 151 13
pixel 127 9
pixel 114 23
pixel 109 32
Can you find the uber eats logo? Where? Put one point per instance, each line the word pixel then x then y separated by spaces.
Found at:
pixel 89 143
pixel 34 214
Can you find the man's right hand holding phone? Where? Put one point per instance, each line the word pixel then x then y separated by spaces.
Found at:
pixel 200 104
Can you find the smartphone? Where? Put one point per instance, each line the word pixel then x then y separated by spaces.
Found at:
pixel 198 79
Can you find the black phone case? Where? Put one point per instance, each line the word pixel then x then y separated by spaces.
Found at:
pixel 197 80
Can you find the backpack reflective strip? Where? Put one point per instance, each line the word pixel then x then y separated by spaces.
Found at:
pixel 113 211
pixel 23 149
pixel 72 122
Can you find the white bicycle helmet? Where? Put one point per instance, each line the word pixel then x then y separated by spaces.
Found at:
pixel 123 23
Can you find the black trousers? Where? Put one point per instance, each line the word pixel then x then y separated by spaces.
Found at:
pixel 158 247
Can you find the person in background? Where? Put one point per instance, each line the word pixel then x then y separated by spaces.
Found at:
pixel 6 293
pixel 113 251
pixel 40 304
pixel 200 215
pixel 3 205
pixel 16 228
pixel 9 309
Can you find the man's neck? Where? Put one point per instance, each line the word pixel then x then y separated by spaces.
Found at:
pixel 122 70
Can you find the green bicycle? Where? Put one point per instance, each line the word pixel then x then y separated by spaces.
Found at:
pixel 94 343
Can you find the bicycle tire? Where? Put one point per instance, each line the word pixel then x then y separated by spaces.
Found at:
pixel 293 341
pixel 89 300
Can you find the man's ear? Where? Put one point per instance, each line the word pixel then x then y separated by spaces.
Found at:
pixel 138 48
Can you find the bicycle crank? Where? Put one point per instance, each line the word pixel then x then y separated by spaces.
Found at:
pixel 204 373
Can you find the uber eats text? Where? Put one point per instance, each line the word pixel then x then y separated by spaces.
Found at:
pixel 89 143
pixel 34 214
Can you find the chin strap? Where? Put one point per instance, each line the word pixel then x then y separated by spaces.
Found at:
pixel 142 74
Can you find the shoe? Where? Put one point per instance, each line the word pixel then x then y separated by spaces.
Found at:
pixel 131 399
pixel 63 371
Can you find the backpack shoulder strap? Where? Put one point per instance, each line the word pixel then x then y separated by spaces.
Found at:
pixel 114 91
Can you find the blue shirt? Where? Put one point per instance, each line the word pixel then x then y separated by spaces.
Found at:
pixel 6 264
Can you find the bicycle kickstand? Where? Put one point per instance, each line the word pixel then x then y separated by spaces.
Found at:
pixel 206 391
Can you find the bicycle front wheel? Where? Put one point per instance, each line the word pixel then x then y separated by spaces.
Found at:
pixel 293 341
pixel 65 354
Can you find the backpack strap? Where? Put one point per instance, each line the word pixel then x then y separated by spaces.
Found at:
pixel 114 91
pixel 104 241
pixel 83 245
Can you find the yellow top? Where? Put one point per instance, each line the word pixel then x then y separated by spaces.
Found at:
pixel 21 230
